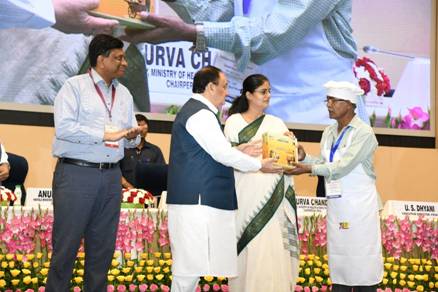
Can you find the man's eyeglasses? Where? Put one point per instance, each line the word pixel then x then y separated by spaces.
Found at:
pixel 333 100
pixel 263 91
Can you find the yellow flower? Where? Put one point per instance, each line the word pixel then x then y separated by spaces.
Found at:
pixel 428 268
pixel 167 255
pixel 80 272
pixel 220 279
pixel 126 270
pixel 329 281
pixel 402 276
pixel 26 265
pixel 4 265
pixel 19 257
pixel 302 257
pixel 420 288
pixel 127 255
pixel 120 278
pixel 393 275
pixel 81 254
pixel 159 277
pixel 150 262
pixel 1 256
pixel 30 256
pixel 78 280
pixel 319 279
pixel 166 270
pixel 425 277
pixel 26 271
pixel 141 263
pixel 150 277
pixel 326 272
pixel 302 263
pixel 170 278
pixel 394 281
pixel 390 259
pixel 35 265
pixel 117 253
pixel 110 278
pixel 431 285
pixel 44 271
pixel 34 280
pixel 208 278
pixel 149 269
pixel 2 274
pixel 2 283
pixel 395 267
pixel 387 266
pixel 9 256
pixel 325 266
pixel 161 262
pixel 301 280
pixel 46 264
pixel 318 263
pixel 157 269
pixel 418 277
pixel 411 277
pixel 130 263
pixel 307 271
pixel 157 254
pixel 114 263
pixel 385 274
pixel 424 261
pixel 403 260
pixel 11 264
pixel 15 272
pixel 15 282
pixel 411 284
pixel 402 283
pixel 317 271
pixel 310 256
pixel 144 255
pixel 310 263
pixel 140 278
pixel 115 272
pixel 82 262
pixel 311 280
pixel 49 255
pixel 128 278
pixel 417 261
pixel 27 280
pixel 138 269
pixel 39 255
pixel 436 284
pixel 403 268
pixel 385 281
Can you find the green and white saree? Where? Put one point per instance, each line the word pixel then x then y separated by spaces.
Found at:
pixel 266 218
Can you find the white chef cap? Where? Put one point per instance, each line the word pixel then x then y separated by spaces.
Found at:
pixel 343 90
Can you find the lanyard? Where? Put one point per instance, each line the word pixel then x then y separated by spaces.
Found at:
pixel 99 92
pixel 336 145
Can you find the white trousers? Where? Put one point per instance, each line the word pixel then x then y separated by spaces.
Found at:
pixel 184 284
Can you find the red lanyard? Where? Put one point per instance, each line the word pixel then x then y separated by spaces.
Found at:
pixel 99 92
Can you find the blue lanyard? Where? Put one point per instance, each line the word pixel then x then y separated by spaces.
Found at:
pixel 336 145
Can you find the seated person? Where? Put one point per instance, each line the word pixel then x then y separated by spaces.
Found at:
pixel 145 152
pixel 13 172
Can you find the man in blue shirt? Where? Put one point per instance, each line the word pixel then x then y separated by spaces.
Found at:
pixel 94 122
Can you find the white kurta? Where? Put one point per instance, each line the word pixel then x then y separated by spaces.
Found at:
pixel 203 238
pixel 269 263
pixel 353 228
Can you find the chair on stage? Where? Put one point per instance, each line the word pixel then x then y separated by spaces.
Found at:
pixel 153 178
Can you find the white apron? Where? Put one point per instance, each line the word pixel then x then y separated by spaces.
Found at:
pixel 353 228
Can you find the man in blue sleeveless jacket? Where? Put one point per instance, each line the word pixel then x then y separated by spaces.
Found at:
pixel 201 197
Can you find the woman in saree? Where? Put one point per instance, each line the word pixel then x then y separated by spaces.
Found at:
pixel 267 230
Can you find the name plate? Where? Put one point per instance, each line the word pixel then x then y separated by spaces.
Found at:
pixel 39 197
pixel 307 206
pixel 410 208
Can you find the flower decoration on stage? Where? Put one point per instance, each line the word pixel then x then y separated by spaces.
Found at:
pixel 370 77
pixel 137 196
pixel 6 195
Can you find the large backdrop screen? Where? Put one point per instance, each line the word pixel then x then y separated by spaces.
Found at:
pixel 394 68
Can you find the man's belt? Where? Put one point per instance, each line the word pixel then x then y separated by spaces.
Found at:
pixel 83 163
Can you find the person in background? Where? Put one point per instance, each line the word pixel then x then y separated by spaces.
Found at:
pixel 94 122
pixel 145 152
pixel 4 164
pixel 346 162
pixel 201 197
pixel 299 44
pixel 267 231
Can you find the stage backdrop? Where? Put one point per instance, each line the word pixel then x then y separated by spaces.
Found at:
pixel 398 34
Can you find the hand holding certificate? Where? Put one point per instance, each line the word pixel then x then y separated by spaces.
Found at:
pixel 282 147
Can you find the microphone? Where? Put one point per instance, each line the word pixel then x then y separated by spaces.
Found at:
pixel 371 49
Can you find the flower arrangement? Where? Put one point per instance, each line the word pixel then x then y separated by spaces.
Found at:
pixel 416 119
pixel 136 197
pixel 371 79
pixel 143 260
pixel 6 196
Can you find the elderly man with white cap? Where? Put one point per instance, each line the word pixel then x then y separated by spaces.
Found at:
pixel 346 162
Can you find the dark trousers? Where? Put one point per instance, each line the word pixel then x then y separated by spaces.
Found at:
pixel 86 204
pixel 17 174
pixel 343 288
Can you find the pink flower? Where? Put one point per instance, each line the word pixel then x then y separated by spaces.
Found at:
pixel 323 288
pixel 164 288
pixel 224 288
pixel 216 287
pixel 198 289
pixel 315 289
pixel 298 288
pixel 153 287
pixel 41 289
pixel 29 290
pixel 121 288
pixel 132 288
pixel 76 289
pixel 306 289
pixel 142 287
pixel 110 288
pixel 206 288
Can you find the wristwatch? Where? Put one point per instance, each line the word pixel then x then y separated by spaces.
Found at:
pixel 200 44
